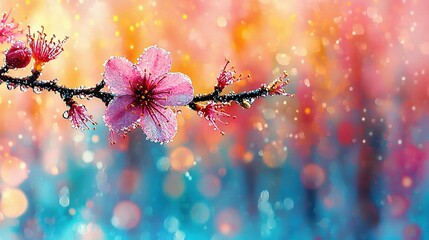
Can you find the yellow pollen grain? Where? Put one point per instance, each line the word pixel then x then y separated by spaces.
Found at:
pixel 115 18
pixel 184 16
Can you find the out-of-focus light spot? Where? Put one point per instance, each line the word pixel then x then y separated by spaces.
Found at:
pixel 72 211
pixel 13 202
pixel 174 185
pixel 282 59
pixel 398 205
pixel 412 232
pixel 307 111
pixel 358 29
pixel 307 82
pixel 95 138
pixel 300 51
pixel 228 222
pixel 181 159
pixel 288 204
pixel 76 17
pixel 13 171
pixel 54 170
pixel 184 16
pixel 78 137
pixel 158 22
pixel 407 182
pixel 91 231
pixel 221 21
pixel 116 33
pixel 115 18
pixel 87 156
pixel 163 164
pixel 126 215
pixel 424 48
pixel 312 176
pixel 209 186
pixel 171 224
pixel 274 155
pixel 248 157
pixel 221 172
pixel 64 199
pixel 200 213
pixel 179 235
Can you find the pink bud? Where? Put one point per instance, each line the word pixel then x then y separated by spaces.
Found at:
pixel 18 56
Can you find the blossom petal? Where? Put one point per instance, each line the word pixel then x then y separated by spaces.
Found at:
pixel 120 114
pixel 173 89
pixel 156 61
pixel 119 74
pixel 159 124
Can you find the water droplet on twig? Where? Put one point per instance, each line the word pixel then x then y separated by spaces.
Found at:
pixel 37 90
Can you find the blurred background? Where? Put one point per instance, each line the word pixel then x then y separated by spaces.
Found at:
pixel 345 159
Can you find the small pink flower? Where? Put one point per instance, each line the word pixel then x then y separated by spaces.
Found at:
pixel 213 112
pixel 8 30
pixel 276 86
pixel 44 50
pixel 78 116
pixel 143 92
pixel 18 56
pixel 227 77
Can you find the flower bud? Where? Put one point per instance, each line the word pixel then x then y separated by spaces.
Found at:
pixel 18 56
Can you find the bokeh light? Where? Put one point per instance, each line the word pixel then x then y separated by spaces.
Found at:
pixel 312 176
pixel 13 202
pixel 126 215
pixel 181 159
pixel 13 171
pixel 229 222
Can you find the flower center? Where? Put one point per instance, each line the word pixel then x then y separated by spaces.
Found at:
pixel 143 96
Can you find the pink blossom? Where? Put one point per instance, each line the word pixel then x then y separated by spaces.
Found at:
pixel 78 116
pixel 44 50
pixel 213 112
pixel 8 30
pixel 227 77
pixel 143 93
pixel 276 87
